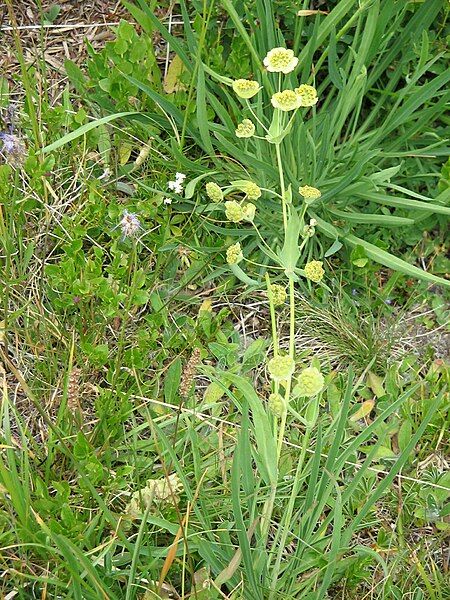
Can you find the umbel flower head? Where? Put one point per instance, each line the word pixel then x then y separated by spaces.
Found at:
pixel 129 224
pixel 314 270
pixel 309 230
pixel 234 254
pixel 157 491
pixel 245 88
pixel 281 367
pixel 277 404
pixel 234 211
pixel 307 94
pixel 280 60
pixel 245 129
pixel 310 382
pixel 249 211
pixel 251 190
pixel 279 294
pixel 286 100
pixel 214 192
pixel 309 193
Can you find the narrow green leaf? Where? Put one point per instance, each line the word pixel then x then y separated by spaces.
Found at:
pixel 393 262
pixel 380 198
pixel 263 433
pixel 172 381
pixel 371 219
pixel 73 135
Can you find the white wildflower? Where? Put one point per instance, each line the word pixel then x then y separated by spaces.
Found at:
pixel 176 185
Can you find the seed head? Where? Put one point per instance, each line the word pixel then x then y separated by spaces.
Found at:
pixel 234 254
pixel 310 382
pixel 314 270
pixel 279 294
pixel 234 211
pixel 277 404
pixel 189 372
pixel 251 190
pixel 281 367
pixel 214 192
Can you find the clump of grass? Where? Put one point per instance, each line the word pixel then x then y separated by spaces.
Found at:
pixel 342 334
pixel 339 338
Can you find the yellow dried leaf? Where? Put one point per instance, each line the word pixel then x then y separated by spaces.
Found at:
pixel 364 410
pixel 124 153
pixel 143 154
pixel 376 384
pixel 309 13
pixel 172 81
pixel 206 306
pixel 2 332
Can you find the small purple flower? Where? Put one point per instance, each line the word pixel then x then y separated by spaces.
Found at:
pixel 129 224
pixel 9 142
pixel 13 149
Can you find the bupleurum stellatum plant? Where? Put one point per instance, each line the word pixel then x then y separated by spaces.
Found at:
pixel 288 259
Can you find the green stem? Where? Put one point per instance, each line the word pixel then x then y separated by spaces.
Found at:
pixel 261 238
pixel 288 514
pixel 256 118
pixel 291 317
pixel 267 512
pixel 283 194
pixel 272 319
pixel 291 354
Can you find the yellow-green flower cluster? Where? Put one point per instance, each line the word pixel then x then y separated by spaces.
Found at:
pixel 314 270
pixel 309 230
pixel 280 60
pixel 246 129
pixel 246 88
pixel 214 192
pixel 307 94
pixel 249 212
pixel 286 100
pixel 156 491
pixel 310 382
pixel 279 294
pixel 309 193
pixel 277 404
pixel 281 367
pixel 234 254
pixel 251 190
pixel 234 211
